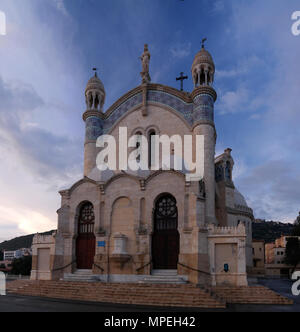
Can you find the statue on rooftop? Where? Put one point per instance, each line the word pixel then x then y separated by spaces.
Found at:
pixel 145 58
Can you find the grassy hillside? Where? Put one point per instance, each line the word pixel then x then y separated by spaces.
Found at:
pixel 262 230
pixel 269 231
pixel 19 242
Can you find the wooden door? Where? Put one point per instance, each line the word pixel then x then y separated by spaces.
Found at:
pixel 86 240
pixel 166 239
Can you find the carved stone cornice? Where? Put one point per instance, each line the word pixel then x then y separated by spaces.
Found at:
pixel 204 89
pixel 90 113
pixel 242 211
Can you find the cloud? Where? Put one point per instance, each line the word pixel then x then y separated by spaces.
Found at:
pixel 218 6
pixel 244 67
pixel 24 220
pixel 40 151
pixel 273 190
pixel 181 50
pixel 35 162
pixel 60 6
pixel 234 101
pixel 17 96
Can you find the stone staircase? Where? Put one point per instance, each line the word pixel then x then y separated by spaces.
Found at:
pixel 170 295
pixel 250 295
pixel 165 277
pixel 140 294
pixel 81 276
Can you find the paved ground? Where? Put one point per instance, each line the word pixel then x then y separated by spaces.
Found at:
pixel 12 303
pixel 32 304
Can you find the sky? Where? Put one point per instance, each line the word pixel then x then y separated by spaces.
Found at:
pixel 46 59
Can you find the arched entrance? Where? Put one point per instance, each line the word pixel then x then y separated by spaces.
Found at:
pixel 165 240
pixel 86 241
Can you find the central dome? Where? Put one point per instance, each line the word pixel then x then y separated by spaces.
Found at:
pixel 239 199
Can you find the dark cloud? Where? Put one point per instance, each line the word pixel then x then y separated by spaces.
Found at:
pixel 18 96
pixel 46 155
pixel 273 189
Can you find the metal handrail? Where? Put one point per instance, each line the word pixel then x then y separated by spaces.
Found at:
pixel 142 267
pixel 99 267
pixel 62 268
pixel 193 269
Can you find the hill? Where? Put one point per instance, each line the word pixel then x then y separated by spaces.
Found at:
pixel 20 242
pixel 269 231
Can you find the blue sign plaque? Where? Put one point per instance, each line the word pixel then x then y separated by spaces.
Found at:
pixel 101 243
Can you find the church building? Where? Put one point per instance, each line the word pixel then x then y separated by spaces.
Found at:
pixel 156 225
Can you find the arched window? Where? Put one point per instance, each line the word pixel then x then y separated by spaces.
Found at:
pixel 151 148
pixel 166 215
pixel 138 144
pixel 202 77
pixel 86 219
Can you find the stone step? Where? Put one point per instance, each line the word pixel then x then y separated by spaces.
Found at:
pixel 159 279
pixel 83 272
pixel 80 277
pixel 250 295
pixel 178 295
pixel 164 272
pixel 143 294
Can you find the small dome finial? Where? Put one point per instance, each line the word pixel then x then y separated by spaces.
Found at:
pixel 203 42
pixel 95 70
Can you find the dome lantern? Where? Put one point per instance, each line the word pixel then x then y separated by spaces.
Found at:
pixel 203 68
pixel 95 93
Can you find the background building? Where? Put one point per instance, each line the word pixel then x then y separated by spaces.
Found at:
pixel 258 256
pixel 275 258
pixel 10 255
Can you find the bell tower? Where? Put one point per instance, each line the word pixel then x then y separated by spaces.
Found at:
pixel 93 118
pixel 204 97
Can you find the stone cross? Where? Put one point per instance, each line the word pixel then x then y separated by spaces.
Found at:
pixel 95 70
pixel 181 78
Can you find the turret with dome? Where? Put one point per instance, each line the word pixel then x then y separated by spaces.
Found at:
pixel 203 68
pixel 95 93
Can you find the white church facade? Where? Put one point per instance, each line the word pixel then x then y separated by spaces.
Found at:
pixel 132 226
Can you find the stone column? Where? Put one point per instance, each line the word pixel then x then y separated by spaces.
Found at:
pixel 94 129
pixel 203 116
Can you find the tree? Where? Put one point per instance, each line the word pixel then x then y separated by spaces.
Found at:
pixel 1 255
pixel 296 230
pixel 22 266
pixel 292 252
